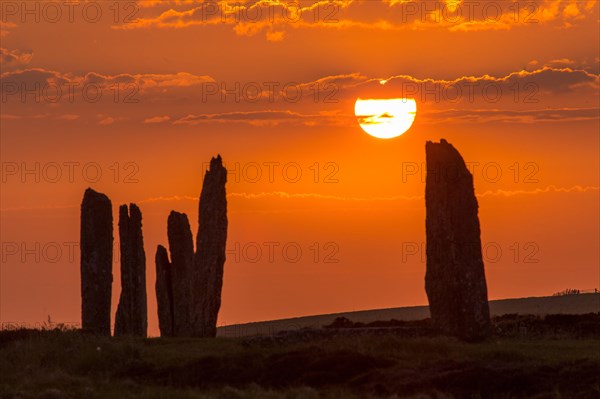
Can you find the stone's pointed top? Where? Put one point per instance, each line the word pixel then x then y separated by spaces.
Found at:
pixel 134 210
pixel 442 141
pixel 444 152
pixel 123 214
pixel 216 174
pixel 131 318
pixel 177 215
pixel 216 163
pixel 96 245
pixel 92 195
pixel 178 230
pixel 160 249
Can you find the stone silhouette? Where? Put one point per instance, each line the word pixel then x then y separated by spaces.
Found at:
pixel 96 244
pixel 164 293
pixel 188 287
pixel 455 278
pixel 181 245
pixel 132 313
pixel 210 247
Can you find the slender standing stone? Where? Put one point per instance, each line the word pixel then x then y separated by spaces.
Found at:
pixel 210 248
pixel 96 244
pixel 455 278
pixel 164 293
pixel 181 246
pixel 131 318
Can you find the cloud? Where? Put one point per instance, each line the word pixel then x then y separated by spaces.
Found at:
pixel 513 116
pixel 275 17
pixel 10 117
pixel 109 120
pixel 169 199
pixel 105 120
pixel 156 3
pixel 148 81
pixel 49 86
pixel 68 117
pixel 5 28
pixel 543 80
pixel 142 81
pixel 10 60
pixel 495 193
pixel 157 119
pixel 282 195
pixel 261 118
pixel 545 190
pixel 541 95
pixel 285 195
pixel 560 62
pixel 275 36
pixel 589 64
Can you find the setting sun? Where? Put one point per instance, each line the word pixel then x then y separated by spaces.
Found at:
pixel 385 118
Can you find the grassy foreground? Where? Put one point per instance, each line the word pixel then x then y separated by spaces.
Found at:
pixel 66 364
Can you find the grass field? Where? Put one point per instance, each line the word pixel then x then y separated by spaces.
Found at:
pixel 552 360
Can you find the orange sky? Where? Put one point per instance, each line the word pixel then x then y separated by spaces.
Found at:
pixel 271 87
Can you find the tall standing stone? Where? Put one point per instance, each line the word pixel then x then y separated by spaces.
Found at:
pixel 210 247
pixel 174 279
pixel 132 312
pixel 164 293
pixel 455 278
pixel 181 246
pixel 188 286
pixel 96 244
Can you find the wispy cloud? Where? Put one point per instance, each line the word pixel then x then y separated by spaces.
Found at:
pixel 512 116
pixel 262 118
pixel 275 17
pixel 548 189
pixel 14 59
pixel 157 119
pixel 517 97
pixel 282 195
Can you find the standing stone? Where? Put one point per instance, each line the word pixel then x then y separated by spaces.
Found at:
pixel 164 293
pixel 210 248
pixel 174 279
pixel 131 318
pixel 188 287
pixel 455 278
pixel 96 244
pixel 181 246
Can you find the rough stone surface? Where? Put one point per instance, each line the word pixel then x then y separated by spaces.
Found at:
pixel 164 292
pixel 132 312
pixel 181 246
pixel 188 287
pixel 455 278
pixel 96 244
pixel 210 247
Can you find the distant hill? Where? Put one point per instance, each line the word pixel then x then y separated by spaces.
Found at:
pixel 567 304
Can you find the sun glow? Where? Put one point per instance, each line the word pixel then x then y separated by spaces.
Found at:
pixel 385 118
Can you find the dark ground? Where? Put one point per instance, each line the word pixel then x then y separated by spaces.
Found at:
pixel 528 357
